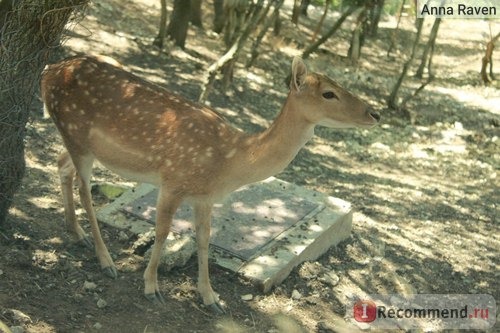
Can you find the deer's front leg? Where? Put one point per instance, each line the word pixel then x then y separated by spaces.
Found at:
pixel 203 215
pixel 165 209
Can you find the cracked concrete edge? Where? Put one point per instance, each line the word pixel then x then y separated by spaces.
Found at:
pixel 274 265
pixel 334 203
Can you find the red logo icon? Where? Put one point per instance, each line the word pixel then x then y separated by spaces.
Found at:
pixel 365 311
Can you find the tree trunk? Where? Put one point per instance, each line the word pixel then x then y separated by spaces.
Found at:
pixel 375 14
pixel 428 47
pixel 296 12
pixel 321 21
pixel 163 24
pixel 430 71
pixel 488 58
pixel 219 18
pixel 236 14
pixel 229 58
pixel 395 32
pixel 277 23
pixel 30 30
pixel 392 100
pixel 254 53
pixel 313 47
pixel 179 22
pixel 304 5
pixel 354 51
pixel 196 13
pixel 255 16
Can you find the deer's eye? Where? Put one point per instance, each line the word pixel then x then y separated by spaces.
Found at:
pixel 329 95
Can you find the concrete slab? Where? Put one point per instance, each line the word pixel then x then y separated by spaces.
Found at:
pixel 247 221
pixel 261 231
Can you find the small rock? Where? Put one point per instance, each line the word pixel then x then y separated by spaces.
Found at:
pixel 312 300
pixel 363 326
pixel 350 296
pixel 1 272
pixel 110 191
pixel 380 146
pixel 325 327
pixel 310 270
pixel 247 297
pixel 178 250
pixel 393 227
pixel 330 278
pixel 18 316
pixel 296 295
pixel 101 303
pixel 97 326
pixel 16 329
pixel 143 242
pixel 122 236
pixel 89 286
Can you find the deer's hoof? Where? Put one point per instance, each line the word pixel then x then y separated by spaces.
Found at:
pixel 156 298
pixel 216 308
pixel 87 242
pixel 110 271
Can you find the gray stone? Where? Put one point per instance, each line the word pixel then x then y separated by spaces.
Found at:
pixel 178 250
pixel 89 286
pixel 19 316
pixel 330 278
pixel 122 236
pixel 17 329
pixel 310 270
pixel 296 295
pixel 101 303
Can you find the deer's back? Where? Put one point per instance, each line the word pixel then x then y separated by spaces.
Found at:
pixel 133 126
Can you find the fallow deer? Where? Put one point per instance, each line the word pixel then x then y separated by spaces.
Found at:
pixel 145 133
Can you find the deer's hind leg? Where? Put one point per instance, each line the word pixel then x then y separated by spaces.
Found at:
pixel 67 173
pixel 81 164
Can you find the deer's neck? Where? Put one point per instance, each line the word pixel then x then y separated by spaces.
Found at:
pixel 269 152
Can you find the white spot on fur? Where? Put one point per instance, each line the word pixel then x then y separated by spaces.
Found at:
pixel 231 153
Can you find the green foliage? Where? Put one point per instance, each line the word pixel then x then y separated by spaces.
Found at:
pixel 355 3
pixel 337 4
pixel 321 3
pixel 391 7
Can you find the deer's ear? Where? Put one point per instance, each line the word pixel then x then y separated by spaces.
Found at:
pixel 299 72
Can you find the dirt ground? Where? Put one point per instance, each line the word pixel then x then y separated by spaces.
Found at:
pixel 424 185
